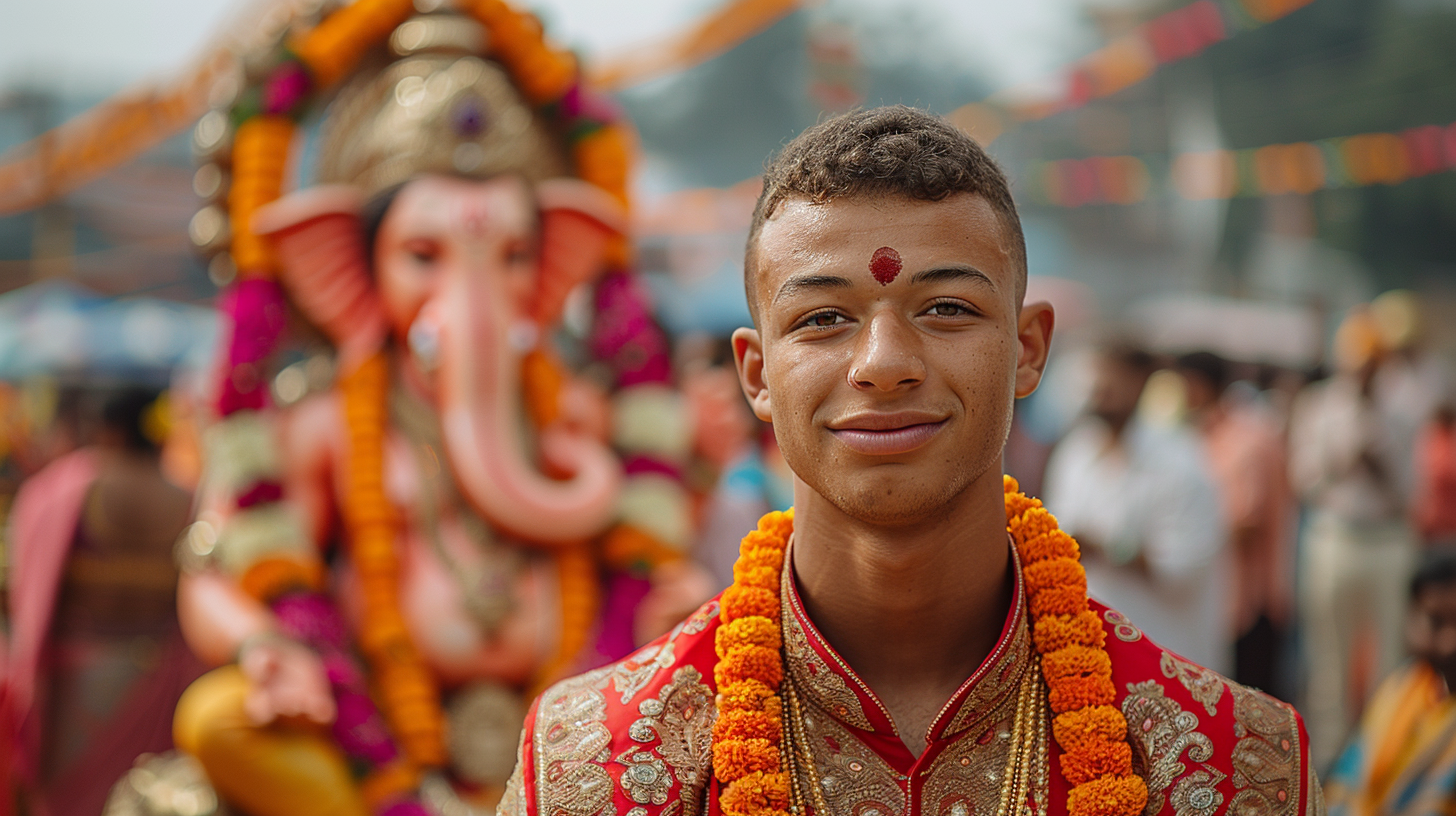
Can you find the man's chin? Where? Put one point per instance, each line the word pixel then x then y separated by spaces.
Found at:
pixel 894 505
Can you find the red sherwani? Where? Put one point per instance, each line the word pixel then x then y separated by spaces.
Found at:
pixel 632 739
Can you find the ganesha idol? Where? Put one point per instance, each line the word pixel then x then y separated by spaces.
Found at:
pixel 386 570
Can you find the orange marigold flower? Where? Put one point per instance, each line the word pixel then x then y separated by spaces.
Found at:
pixel 1104 758
pixel 754 631
pixel 1036 521
pixel 1108 796
pixel 750 575
pixel 1056 572
pixel 1075 661
pixel 743 602
pixel 748 695
pixel 1068 693
pixel 750 662
pixel 757 794
pixel 1053 544
pixel 1066 600
pixel 748 725
pixel 1058 631
pixel 736 758
pixel 768 555
pixel 1100 724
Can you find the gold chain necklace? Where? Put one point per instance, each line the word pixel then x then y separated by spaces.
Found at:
pixel 1026 761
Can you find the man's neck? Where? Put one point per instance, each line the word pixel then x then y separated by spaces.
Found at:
pixel 913 609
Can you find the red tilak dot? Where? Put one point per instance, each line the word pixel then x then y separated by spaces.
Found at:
pixel 885 265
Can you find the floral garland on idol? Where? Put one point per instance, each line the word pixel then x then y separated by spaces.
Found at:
pixel 748 738
pixel 253 135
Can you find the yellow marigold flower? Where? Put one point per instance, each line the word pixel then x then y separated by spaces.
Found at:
pixel 753 631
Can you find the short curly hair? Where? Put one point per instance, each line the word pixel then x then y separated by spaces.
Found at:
pixel 888 151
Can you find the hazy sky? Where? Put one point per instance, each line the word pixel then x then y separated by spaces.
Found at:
pixel 105 44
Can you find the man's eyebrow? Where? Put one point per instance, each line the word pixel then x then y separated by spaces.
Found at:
pixel 799 283
pixel 950 273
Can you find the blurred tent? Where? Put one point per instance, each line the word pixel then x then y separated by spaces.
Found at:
pixel 1247 331
pixel 62 330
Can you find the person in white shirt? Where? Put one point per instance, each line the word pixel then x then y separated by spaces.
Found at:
pixel 1143 503
pixel 1359 551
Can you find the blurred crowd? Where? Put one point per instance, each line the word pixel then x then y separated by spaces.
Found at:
pixel 1261 520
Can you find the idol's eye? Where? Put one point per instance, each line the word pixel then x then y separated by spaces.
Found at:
pixel 519 252
pixel 423 250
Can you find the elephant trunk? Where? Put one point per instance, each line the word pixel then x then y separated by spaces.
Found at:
pixel 481 413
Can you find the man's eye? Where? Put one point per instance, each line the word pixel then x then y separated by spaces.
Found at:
pixel 824 320
pixel 949 310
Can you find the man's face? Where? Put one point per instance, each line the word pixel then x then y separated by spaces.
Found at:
pixel 1116 389
pixel 1431 630
pixel 889 348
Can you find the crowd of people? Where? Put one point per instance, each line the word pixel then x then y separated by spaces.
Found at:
pixel 1267 523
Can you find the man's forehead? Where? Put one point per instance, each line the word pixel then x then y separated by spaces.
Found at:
pixel 805 233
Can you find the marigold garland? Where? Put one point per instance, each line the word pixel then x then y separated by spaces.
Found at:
pixel 1096 758
pixel 748 736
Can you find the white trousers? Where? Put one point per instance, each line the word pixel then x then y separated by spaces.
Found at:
pixel 1355 578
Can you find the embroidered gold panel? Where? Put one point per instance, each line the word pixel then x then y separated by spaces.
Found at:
pixel 812 673
pixel 1204 685
pixel 572 747
pixel 855 779
pixel 680 719
pixel 997 689
pixel 1160 731
pixel 969 774
pixel 1266 756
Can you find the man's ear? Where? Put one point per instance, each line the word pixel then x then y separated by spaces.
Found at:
pixel 748 356
pixel 1034 333
pixel 577 221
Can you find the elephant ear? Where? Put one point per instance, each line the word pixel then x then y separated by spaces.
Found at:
pixel 319 240
pixel 577 221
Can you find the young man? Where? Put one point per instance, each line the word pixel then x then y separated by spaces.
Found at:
pixel 1402 761
pixel 901 656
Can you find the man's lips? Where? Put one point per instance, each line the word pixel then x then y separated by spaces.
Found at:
pixel 886 434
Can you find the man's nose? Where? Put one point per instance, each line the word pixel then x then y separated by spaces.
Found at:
pixel 887 356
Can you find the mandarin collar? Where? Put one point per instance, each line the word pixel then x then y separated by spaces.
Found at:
pixel 826 679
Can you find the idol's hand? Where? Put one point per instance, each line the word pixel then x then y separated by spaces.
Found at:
pixel 288 681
